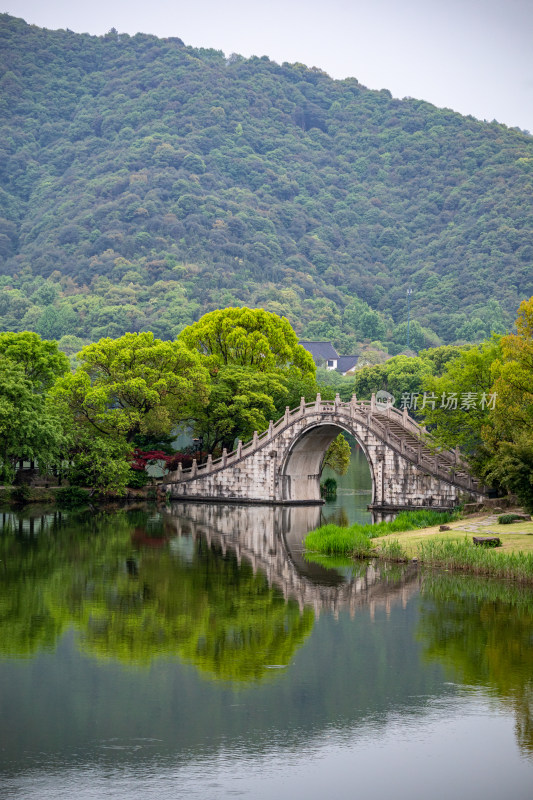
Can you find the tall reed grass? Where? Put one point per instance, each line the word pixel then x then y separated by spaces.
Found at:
pixel 464 555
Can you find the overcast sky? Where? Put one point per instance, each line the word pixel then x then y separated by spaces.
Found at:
pixel 474 56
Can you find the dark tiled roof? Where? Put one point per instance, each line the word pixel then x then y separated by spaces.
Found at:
pixel 321 351
pixel 346 362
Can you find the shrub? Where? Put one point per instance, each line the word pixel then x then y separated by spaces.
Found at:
pixel 507 519
pixel 21 494
pixel 328 488
pixel 138 479
pixel 71 497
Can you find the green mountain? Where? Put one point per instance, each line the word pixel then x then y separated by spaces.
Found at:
pixel 144 182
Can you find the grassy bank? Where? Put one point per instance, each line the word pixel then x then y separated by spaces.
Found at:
pixel 356 540
pixel 407 537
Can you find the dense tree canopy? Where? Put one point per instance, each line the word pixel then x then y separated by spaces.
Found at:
pixel 459 402
pixel 145 182
pixel 31 427
pixel 509 437
pixel 135 384
pixel 257 368
pixel 248 337
pixel 41 360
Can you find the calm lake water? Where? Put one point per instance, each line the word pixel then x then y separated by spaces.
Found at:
pixel 193 652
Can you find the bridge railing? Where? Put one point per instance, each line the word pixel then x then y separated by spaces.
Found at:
pixel 362 411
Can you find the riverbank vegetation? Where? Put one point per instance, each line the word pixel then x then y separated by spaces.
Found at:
pixel 454 550
pixel 357 539
pixel 225 377
pixel 103 423
pixel 478 398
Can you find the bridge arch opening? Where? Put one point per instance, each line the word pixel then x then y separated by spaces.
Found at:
pixel 302 468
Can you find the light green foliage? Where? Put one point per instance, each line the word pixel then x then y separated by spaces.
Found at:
pixel 509 437
pixel 134 384
pixel 31 425
pixel 41 360
pixel 257 368
pixel 336 540
pixel 248 337
pixel 338 455
pixel 100 463
pixel 330 382
pixel 397 375
pixel 470 372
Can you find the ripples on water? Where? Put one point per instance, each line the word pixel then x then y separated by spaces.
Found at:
pixel 194 652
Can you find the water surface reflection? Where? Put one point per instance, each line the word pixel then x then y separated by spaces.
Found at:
pixel 194 652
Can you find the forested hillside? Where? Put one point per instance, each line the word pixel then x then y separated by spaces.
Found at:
pixel 144 182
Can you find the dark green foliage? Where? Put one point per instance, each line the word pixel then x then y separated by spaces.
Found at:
pixel 145 182
pixel 72 497
pixel 138 479
pixel 328 488
pixel 21 494
pixel 508 519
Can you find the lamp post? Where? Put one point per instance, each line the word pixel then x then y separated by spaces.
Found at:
pixel 409 293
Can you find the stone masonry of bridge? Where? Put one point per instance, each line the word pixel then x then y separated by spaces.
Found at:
pixel 283 464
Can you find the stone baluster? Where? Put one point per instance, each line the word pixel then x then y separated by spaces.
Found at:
pixel 224 456
pixel 286 417
pixel 405 417
pixel 318 402
pixel 271 428
pixel 194 468
pixel 209 465
pixel 302 405
pixel 239 448
pixel 179 471
pixel 255 440
pixel 337 401
pixel 373 402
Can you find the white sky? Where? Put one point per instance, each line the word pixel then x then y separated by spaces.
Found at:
pixel 474 56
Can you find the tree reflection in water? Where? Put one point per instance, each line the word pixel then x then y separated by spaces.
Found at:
pixel 132 601
pixel 481 631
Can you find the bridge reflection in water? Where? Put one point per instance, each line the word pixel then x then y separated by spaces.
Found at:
pixel 270 538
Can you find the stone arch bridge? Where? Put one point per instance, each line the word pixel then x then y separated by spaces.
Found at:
pixel 283 464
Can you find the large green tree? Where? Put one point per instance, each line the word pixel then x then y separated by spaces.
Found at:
pixel 136 384
pixel 41 361
pixel 458 403
pixel 249 337
pixel 257 368
pixel 31 426
pixel 509 436
pixel 242 401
